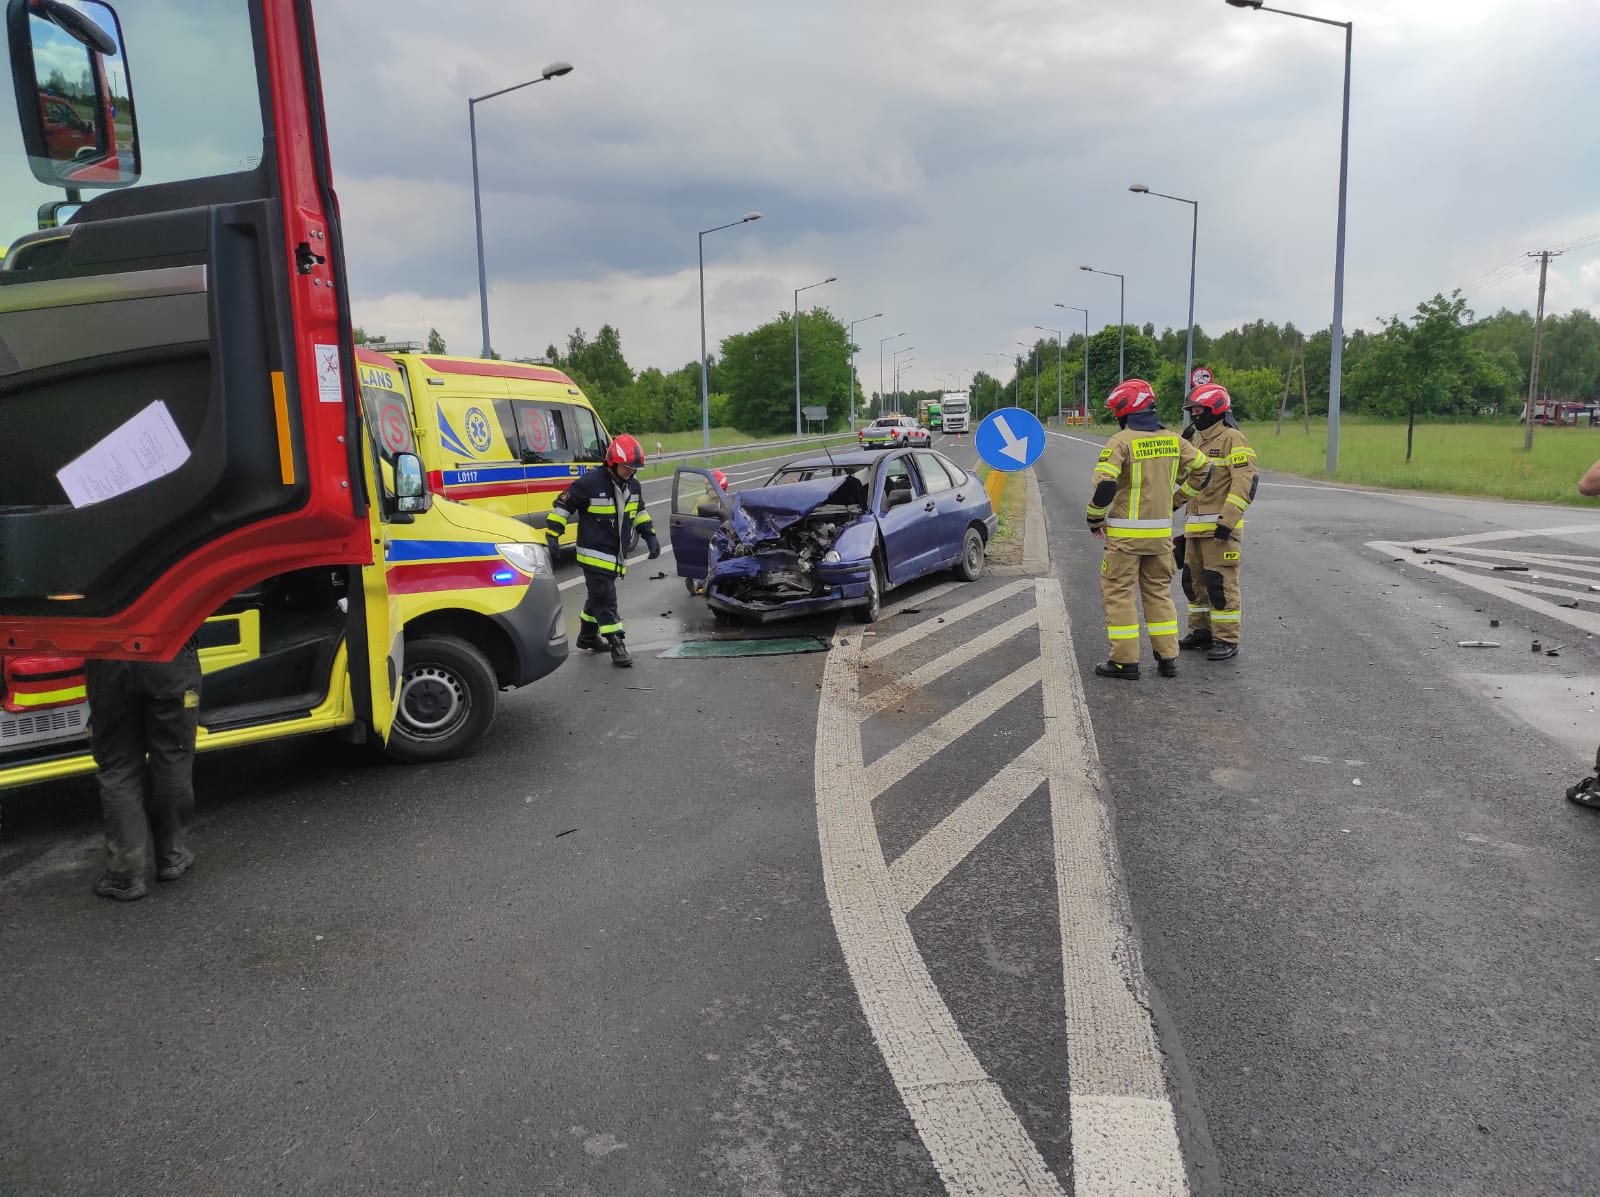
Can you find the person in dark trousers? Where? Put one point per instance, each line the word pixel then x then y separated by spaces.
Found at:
pixel 143 719
pixel 609 506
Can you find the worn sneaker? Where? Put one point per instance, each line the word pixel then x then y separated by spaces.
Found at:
pixel 1167 666
pixel 123 889
pixel 1128 673
pixel 1222 650
pixel 620 656
pixel 180 863
pixel 1199 638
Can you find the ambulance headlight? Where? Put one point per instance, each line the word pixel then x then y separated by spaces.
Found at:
pixel 531 559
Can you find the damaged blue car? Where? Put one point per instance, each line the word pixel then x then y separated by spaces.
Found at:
pixel 828 533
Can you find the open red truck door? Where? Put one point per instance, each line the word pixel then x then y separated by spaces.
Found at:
pixel 179 404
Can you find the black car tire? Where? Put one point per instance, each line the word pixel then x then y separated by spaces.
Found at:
pixel 874 605
pixel 973 551
pixel 448 694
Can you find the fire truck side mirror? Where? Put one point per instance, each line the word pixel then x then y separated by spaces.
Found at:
pixel 74 93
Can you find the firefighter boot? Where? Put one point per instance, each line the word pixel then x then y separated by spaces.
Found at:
pixel 588 638
pixel 123 889
pixel 1222 650
pixel 1198 638
pixel 1129 673
pixel 1167 666
pixel 619 653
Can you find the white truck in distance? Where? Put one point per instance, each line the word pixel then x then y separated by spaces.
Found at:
pixel 955 411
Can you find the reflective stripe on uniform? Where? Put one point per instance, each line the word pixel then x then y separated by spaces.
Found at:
pixel 1241 504
pixel 1194 610
pixel 1124 633
pixel 602 509
pixel 1098 513
pixel 1189 491
pixel 585 617
pixel 643 520
pixel 1225 616
pixel 610 629
pixel 597 560
pixel 1125 522
pixel 1108 471
pixel 1163 629
pixel 1138 533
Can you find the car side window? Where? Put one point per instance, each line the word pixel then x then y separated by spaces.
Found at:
pixel 897 475
pixel 934 477
pixel 958 476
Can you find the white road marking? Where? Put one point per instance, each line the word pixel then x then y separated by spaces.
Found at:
pixel 977 1144
pixel 935 856
pixel 926 596
pixel 900 639
pixel 1064 436
pixel 897 764
pixel 1124 1133
pixel 902 688
pixel 1584 621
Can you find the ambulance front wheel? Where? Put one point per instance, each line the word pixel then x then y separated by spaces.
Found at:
pixel 447 700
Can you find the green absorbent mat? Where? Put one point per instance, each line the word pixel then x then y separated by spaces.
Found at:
pixel 768 647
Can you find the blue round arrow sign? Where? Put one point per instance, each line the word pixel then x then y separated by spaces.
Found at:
pixel 1010 439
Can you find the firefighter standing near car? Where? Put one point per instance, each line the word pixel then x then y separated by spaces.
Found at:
pixel 609 505
pixel 1131 509
pixel 1213 526
pixel 144 716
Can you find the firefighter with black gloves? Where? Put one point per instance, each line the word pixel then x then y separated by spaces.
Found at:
pixel 609 506
pixel 1131 509
pixel 1214 523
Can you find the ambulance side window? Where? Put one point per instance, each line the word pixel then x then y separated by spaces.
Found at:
pixel 544 438
pixel 389 419
pixel 589 444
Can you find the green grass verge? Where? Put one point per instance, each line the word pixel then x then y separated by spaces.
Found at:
pixel 1461 459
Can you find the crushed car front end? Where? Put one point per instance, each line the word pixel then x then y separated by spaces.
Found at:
pixel 788 551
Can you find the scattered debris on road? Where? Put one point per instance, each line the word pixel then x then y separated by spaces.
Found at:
pixel 659 576
pixel 1477 644
pixel 568 831
pixel 1416 549
pixel 1537 647
pixel 1494 623
pixel 1511 569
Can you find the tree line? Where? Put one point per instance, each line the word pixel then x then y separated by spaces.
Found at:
pixel 1439 362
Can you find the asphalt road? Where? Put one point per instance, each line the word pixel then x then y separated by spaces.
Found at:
pixel 662 935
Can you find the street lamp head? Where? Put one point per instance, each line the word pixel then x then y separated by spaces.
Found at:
pixel 832 278
pixel 1246 3
pixel 1086 268
pixel 555 70
pixel 749 216
pixel 1140 188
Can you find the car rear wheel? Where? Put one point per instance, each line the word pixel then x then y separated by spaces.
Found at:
pixel 973 551
pixel 869 612
pixel 447 700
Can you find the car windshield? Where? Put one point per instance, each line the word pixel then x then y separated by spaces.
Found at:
pixel 806 473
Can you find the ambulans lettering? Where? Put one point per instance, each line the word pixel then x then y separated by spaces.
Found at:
pixel 372 376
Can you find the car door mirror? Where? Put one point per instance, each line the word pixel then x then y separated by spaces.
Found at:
pixel 74 96
pixel 410 485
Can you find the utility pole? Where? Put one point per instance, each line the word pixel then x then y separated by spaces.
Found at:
pixel 1544 256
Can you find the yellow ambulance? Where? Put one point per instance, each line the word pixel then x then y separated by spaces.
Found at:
pixel 459 604
pixel 501 436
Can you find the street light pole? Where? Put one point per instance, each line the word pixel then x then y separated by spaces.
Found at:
pixel 554 71
pixel 1194 247
pixel 1336 363
pixel 850 347
pixel 705 389
pixel 1070 308
pixel 894 359
pixel 797 290
pixel 881 342
pixel 1122 319
pixel 1057 331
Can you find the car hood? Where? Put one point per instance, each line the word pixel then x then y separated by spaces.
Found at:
pixel 764 513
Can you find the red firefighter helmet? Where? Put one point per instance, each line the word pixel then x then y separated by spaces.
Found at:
pixel 625 451
pixel 1128 397
pixel 722 479
pixel 1209 397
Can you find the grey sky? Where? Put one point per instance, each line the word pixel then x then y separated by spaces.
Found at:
pixel 951 162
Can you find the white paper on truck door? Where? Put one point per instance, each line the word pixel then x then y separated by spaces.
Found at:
pixel 147 447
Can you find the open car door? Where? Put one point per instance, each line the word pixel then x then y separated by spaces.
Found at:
pixel 699 507
pixel 177 383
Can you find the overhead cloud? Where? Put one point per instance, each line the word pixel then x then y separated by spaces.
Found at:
pixel 952 163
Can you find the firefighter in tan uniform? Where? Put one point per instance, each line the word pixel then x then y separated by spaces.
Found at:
pixel 1131 509
pixel 1213 526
